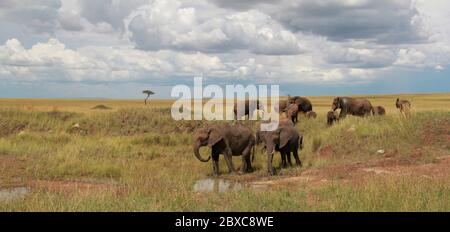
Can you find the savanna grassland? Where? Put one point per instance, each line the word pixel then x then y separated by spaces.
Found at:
pixel 66 156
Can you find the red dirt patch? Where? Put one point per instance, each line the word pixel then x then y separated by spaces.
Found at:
pixel 390 154
pixel 357 173
pixel 12 171
pixel 439 169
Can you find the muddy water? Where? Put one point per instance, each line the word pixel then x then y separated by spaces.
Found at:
pixel 217 185
pixel 13 193
pixel 220 185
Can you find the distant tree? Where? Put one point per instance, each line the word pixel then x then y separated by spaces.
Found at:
pixel 148 92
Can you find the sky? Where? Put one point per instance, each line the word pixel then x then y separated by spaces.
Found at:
pixel 117 48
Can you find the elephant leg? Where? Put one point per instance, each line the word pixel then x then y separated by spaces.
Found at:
pixel 407 112
pixel 243 165
pixel 228 158
pixel 402 113
pixel 246 165
pixel 283 159
pixel 288 154
pixel 270 168
pixel 297 159
pixel 215 163
pixel 249 164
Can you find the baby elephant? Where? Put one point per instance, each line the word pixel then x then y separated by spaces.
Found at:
pixel 311 114
pixel 285 139
pixel 378 110
pixel 332 116
pixel 229 140
pixel 404 106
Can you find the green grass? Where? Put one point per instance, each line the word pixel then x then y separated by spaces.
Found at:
pixel 148 158
pixel 388 195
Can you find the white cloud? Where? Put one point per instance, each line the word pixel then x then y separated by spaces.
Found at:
pixel 411 57
pixel 439 67
pixel 52 61
pixel 174 25
pixel 366 57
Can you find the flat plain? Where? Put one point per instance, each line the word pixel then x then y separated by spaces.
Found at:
pixel 69 155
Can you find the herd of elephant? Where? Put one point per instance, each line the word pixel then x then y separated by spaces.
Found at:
pixel 236 139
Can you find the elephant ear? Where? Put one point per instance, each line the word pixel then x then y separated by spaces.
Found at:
pixel 341 102
pixel 285 136
pixel 214 137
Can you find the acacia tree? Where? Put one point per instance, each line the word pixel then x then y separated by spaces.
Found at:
pixel 148 92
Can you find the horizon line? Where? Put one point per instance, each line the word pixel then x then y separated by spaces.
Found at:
pixel 140 99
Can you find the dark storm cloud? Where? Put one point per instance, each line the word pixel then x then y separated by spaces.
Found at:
pixel 381 21
pixel 37 16
pixel 70 21
pixel 107 11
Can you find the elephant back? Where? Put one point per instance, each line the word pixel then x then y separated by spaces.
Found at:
pixel 304 104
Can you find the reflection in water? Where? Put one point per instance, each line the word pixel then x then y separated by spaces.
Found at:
pixel 13 193
pixel 216 185
pixel 220 185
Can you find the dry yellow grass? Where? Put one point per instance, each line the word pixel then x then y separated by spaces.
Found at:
pixel 136 158
pixel 420 102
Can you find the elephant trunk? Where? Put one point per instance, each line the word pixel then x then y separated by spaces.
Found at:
pixel 197 146
pixel 270 149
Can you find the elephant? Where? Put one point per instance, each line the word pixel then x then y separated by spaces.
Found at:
pixel 404 106
pixel 378 110
pixel 229 140
pixel 304 105
pixel 284 139
pixel 250 107
pixel 311 114
pixel 352 106
pixel 332 116
pixel 282 106
pixel 292 112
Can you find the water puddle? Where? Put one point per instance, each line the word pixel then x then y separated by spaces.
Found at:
pixel 221 185
pixel 13 193
pixel 217 185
